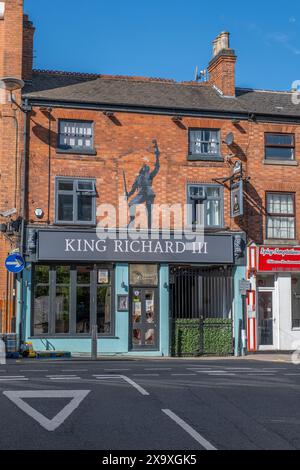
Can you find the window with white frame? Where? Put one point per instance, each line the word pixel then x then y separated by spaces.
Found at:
pixel 76 135
pixel 281 216
pixel 205 205
pixel 204 142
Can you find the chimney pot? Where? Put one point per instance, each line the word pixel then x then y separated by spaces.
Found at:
pixel 224 40
pixel 222 66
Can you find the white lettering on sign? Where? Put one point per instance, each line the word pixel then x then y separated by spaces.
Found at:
pixel 200 248
pixel 100 246
pixel 279 252
pixel 134 246
pixel 69 246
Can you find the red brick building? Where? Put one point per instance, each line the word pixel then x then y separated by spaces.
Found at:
pixel 89 139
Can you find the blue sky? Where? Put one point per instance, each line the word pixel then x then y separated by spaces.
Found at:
pixel 168 38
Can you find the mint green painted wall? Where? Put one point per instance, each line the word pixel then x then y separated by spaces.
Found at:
pixel 164 310
pixel 239 273
pixel 120 343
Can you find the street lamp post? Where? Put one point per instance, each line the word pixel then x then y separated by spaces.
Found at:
pixel 10 85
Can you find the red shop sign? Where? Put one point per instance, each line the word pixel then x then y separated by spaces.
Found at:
pixel 278 259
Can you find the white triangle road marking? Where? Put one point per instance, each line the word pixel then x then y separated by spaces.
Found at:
pixel 17 397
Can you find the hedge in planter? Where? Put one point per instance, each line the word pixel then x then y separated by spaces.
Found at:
pixel 217 336
pixel 196 337
pixel 187 338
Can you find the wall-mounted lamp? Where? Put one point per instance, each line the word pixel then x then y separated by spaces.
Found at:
pixel 123 285
pixel 45 109
pixel 177 118
pixel 109 114
pixel 235 122
pixel 12 84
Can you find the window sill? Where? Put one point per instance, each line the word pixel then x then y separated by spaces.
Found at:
pixel 204 158
pixel 283 242
pixel 84 153
pixel 281 162
pixel 75 224
pixel 66 336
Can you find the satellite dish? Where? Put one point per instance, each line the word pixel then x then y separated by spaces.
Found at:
pixel 229 139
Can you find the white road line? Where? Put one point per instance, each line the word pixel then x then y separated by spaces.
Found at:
pixel 135 385
pixel 146 375
pixel 106 376
pixel 74 370
pixel 219 374
pixel 35 370
pixel 210 371
pixel 260 375
pixel 192 432
pixel 158 368
pixel 292 374
pixel 13 379
pixel 117 370
pixel 65 378
pixel 127 379
pixel 61 375
pixel 77 397
pixel 183 375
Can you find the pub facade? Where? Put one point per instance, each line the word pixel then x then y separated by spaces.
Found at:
pixel 210 169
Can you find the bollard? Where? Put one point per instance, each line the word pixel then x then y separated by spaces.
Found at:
pixel 2 352
pixel 94 342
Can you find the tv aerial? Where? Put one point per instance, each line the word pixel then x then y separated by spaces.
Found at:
pixel 202 75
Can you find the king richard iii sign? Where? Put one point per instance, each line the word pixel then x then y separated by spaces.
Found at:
pixel 85 246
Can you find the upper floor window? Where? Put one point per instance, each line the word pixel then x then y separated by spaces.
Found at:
pixel 279 146
pixel 281 216
pixel 75 201
pixel 76 136
pixel 204 144
pixel 205 205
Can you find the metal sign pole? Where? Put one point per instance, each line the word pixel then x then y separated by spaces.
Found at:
pixel 244 333
pixel 94 342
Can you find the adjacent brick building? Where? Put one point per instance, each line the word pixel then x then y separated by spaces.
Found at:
pixel 89 139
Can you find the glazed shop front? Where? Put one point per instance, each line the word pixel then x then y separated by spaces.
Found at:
pixel 277 312
pixel 75 281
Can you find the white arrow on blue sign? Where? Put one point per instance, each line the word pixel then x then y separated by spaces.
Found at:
pixel 15 263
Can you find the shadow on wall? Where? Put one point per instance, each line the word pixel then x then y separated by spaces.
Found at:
pixel 43 133
pixel 255 213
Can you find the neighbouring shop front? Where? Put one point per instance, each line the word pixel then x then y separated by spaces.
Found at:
pixel 134 291
pixel 277 284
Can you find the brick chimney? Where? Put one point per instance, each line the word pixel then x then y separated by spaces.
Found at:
pixel 11 33
pixel 27 59
pixel 16 41
pixel 222 66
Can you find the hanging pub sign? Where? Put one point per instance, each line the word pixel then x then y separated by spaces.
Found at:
pixel 236 199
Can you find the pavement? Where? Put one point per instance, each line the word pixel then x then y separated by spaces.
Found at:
pixel 154 404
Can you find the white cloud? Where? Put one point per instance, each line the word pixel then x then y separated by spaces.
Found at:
pixel 284 40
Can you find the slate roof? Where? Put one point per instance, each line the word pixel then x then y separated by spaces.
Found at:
pixel 155 93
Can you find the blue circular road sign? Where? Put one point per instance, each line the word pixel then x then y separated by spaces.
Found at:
pixel 15 263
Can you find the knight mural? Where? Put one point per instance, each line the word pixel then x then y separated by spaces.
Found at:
pixel 143 187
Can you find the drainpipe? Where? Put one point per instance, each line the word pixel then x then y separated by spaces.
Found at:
pixel 26 109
